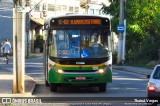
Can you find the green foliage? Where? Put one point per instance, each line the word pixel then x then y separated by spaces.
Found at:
pixel 113 10
pixel 32 56
pixel 38 43
pixel 143 27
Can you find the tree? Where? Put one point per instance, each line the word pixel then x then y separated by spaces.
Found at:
pixel 113 10
pixel 143 26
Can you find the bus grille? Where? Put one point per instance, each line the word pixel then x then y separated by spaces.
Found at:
pixel 79 70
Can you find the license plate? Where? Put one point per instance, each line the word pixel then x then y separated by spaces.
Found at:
pixel 80 78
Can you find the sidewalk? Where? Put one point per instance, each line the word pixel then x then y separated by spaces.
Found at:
pixel 138 70
pixel 6 79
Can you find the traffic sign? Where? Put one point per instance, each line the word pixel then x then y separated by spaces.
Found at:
pixel 120 28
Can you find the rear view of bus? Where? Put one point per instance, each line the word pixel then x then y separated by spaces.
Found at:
pixel 78 51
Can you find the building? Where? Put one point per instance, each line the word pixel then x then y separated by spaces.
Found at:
pixel 58 7
pixel 39 11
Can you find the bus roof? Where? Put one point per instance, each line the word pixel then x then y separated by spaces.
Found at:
pixel 76 15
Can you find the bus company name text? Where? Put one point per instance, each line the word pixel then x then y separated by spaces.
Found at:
pixel 79 22
pixel 21 100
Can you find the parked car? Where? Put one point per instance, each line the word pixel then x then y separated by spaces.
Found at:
pixel 153 87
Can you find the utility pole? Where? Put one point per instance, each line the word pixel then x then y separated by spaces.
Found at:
pixel 18 47
pixel 120 41
pixel 27 24
pixel 124 34
pixel 19 28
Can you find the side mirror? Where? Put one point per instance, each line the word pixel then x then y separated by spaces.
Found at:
pixel 148 76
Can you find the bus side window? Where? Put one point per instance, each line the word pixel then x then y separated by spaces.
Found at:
pixel 105 38
pixel 50 39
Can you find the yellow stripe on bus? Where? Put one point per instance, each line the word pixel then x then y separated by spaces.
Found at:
pixel 79 65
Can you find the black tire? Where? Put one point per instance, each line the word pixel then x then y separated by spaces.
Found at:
pixel 46 83
pixel 53 88
pixel 102 88
pixel 46 77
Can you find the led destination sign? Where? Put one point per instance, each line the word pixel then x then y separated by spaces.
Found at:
pixel 79 22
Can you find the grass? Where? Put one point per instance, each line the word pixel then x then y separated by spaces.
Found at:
pixel 139 63
pixel 32 56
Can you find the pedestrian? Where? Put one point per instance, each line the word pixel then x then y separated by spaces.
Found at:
pixel 7 49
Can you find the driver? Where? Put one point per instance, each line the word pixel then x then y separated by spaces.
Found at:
pixel 94 39
pixel 95 44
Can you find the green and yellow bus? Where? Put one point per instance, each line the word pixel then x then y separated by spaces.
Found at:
pixel 78 51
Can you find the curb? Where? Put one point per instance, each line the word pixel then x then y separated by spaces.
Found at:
pixel 33 88
pixel 25 94
pixel 30 85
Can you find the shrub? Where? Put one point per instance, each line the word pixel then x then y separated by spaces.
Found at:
pixel 38 43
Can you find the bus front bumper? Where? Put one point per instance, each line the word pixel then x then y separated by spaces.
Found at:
pixel 80 78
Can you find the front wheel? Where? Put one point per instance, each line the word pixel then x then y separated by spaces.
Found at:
pixel 46 83
pixel 53 88
pixel 102 88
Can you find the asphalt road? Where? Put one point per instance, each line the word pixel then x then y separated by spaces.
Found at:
pixel 124 85
pixel 34 68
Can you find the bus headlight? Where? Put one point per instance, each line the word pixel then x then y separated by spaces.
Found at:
pixel 101 70
pixel 60 71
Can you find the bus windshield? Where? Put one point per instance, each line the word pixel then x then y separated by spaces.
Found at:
pixel 78 43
